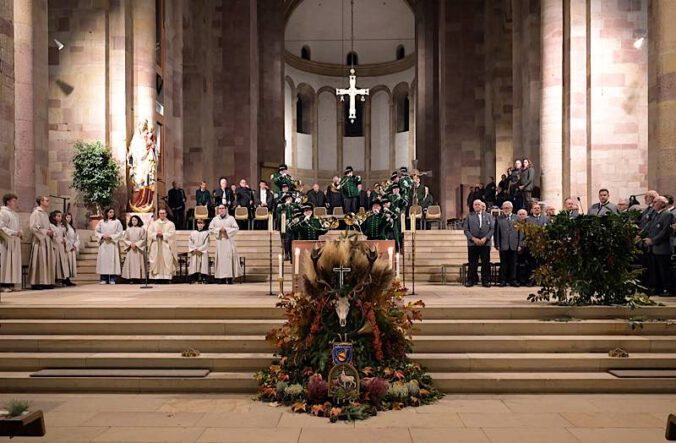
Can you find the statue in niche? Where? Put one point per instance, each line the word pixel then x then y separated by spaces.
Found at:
pixel 142 167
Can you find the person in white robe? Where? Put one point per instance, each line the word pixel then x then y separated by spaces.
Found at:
pixel 162 248
pixel 223 228
pixel 72 246
pixel 134 244
pixel 198 253
pixel 10 243
pixel 109 233
pixel 59 244
pixel 42 263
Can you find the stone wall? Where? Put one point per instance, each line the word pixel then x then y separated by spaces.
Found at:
pixel 6 95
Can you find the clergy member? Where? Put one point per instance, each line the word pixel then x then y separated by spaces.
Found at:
pixel 10 243
pixel 108 233
pixel 162 250
pixel 42 266
pixel 224 228
pixel 134 243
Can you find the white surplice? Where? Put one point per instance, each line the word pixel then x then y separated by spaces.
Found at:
pixel 108 259
pixel 224 229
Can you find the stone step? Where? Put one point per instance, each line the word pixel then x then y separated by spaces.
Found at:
pixel 263 326
pixel 133 343
pixel 230 382
pixel 257 343
pixel 449 382
pixel 219 362
pixel 547 382
pixel 540 312
pixel 541 362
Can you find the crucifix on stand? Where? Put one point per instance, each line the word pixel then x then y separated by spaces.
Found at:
pixel 341 271
pixel 352 92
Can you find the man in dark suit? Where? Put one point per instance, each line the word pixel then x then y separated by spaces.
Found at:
pixel 478 227
pixel 649 211
pixel 245 198
pixel 316 196
pixel 223 195
pixel 333 195
pixel 176 200
pixel 363 198
pixel 507 241
pixel 658 239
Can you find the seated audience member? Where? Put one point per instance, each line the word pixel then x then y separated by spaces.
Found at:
pixel 316 197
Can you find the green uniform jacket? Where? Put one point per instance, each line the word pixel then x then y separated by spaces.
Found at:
pixel 348 186
pixel 376 227
pixel 278 180
pixel 309 229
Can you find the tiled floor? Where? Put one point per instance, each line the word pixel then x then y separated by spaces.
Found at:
pixel 236 418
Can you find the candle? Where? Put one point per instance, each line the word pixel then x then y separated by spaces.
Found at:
pixel 283 228
pixel 403 222
pixel 413 224
pixel 270 223
pixel 390 252
pixel 280 265
pixel 296 262
pixel 397 274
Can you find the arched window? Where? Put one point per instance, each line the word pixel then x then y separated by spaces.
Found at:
pixel 304 106
pixel 305 52
pixel 352 58
pixel 402 107
pixel 355 129
pixel 401 52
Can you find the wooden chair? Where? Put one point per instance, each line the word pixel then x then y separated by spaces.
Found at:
pixel 201 213
pixel 261 215
pixel 434 215
pixel 338 212
pixel 320 211
pixel 242 214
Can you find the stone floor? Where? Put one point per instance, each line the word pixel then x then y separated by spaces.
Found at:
pixel 456 418
pixel 252 294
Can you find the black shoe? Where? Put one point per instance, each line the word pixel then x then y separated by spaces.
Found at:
pixel 503 284
pixel 514 284
pixel 469 284
pixel 486 285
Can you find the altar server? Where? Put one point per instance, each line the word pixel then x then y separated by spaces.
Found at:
pixel 223 228
pixel 162 248
pixel 59 245
pixel 72 246
pixel 109 233
pixel 134 244
pixel 42 265
pixel 198 253
pixel 10 243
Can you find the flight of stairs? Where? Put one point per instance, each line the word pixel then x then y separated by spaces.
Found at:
pixel 466 348
pixel 434 248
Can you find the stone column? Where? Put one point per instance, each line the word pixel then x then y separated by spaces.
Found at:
pixel 241 88
pixel 576 118
pixel 428 37
pixel 145 95
pixel 31 162
pixel 551 110
pixel 271 51
pixel 7 96
pixel 662 96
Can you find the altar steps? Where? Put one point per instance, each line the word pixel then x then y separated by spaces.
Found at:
pixel 466 348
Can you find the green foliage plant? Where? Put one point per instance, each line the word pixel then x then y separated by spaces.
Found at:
pixel 96 175
pixel 585 261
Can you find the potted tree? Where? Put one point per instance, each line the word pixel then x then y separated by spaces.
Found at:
pixel 18 421
pixel 96 176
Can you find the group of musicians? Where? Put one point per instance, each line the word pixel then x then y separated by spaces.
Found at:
pixel 375 212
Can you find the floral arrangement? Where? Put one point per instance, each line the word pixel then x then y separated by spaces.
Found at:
pixel 379 322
